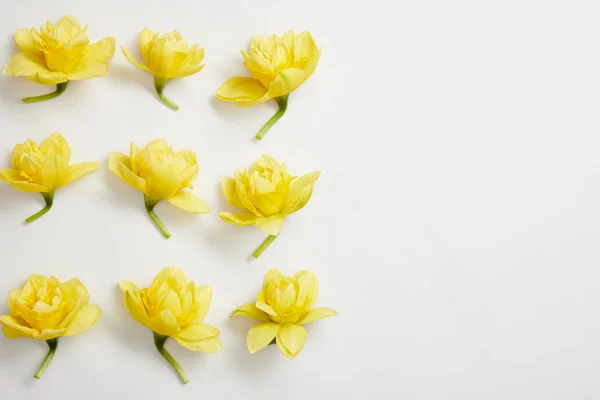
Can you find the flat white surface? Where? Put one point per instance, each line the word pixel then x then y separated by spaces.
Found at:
pixel 455 227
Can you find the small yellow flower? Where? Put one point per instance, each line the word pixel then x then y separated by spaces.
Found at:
pixel 161 174
pixel 174 307
pixel 167 57
pixel 267 194
pixel 46 309
pixel 58 54
pixel 279 65
pixel 284 304
pixel 44 169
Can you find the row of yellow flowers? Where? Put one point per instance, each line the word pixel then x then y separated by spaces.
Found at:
pixel 172 307
pixel 57 54
pixel 266 193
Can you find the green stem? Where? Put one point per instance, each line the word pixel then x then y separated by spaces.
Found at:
pixel 48 198
pixel 150 210
pixel 159 85
pixel 159 342
pixel 264 246
pixel 52 344
pixel 283 102
pixel 60 88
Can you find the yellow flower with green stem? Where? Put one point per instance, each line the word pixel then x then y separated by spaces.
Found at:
pixel 279 65
pixel 57 54
pixel 44 169
pixel 284 305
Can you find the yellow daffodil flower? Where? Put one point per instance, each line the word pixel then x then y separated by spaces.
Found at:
pixel 58 54
pixel 44 169
pixel 279 65
pixel 167 57
pixel 267 194
pixel 174 307
pixel 161 174
pixel 284 304
pixel 46 309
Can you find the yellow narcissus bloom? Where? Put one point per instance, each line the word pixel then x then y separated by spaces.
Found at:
pixel 46 309
pixel 279 65
pixel 284 304
pixel 58 54
pixel 44 169
pixel 267 194
pixel 167 57
pixel 161 174
pixel 174 307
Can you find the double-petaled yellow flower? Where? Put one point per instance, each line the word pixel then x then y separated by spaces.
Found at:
pixel 174 307
pixel 267 194
pixel 46 309
pixel 167 57
pixel 279 65
pixel 161 174
pixel 44 169
pixel 57 54
pixel 284 304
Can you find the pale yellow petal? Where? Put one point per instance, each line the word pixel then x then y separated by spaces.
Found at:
pixel 197 332
pixel 250 311
pixel 14 327
pixel 267 309
pixel 272 276
pixel 243 91
pixel 93 70
pixel 210 345
pixel 187 71
pixel 168 273
pixel 202 298
pixel 146 38
pixel 132 60
pixel 165 323
pixel 189 202
pixel 83 321
pixel 228 189
pixel 51 172
pixel 242 219
pixel 29 65
pixel 300 192
pixel 286 81
pixel 271 225
pixel 133 302
pixel 24 40
pixel 261 335
pixel 122 171
pixel 290 339
pixel 316 314
pixel 78 170
pixel 48 334
pixel 14 179
pixel 102 51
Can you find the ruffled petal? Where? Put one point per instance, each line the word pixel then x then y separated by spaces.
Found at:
pixel 14 327
pixel 24 40
pixel 83 321
pixel 228 189
pixel 133 302
pixel 31 66
pixel 261 335
pixel 165 323
pixel 14 179
pixel 286 81
pixel 189 202
pixel 243 91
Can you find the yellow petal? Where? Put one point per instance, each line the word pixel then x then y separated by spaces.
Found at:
pixel 272 276
pixel 102 51
pixel 271 225
pixel 286 81
pixel 56 144
pixel 290 339
pixel 132 60
pixel 202 299
pixel 197 332
pixel 133 302
pixel 210 345
pixel 316 314
pixel 189 202
pixel 242 91
pixel 168 273
pixel 261 335
pixel 242 219
pixel 119 164
pixel 14 327
pixel 28 64
pixel 165 323
pixel 83 321
pixel 13 178
pixel 228 189
pixel 300 192
pixel 309 289
pixel 267 309
pixel 146 38
pixel 24 40
pixel 50 173
pixel 92 70
pixel 78 170
pixel 250 311
pixel 48 334
pixel 187 71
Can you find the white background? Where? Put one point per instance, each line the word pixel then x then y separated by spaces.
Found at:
pixel 455 227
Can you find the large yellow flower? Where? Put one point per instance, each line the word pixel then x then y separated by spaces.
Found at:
pixel 167 57
pixel 44 169
pixel 284 304
pixel 174 307
pixel 267 194
pixel 58 54
pixel 161 174
pixel 279 65
pixel 45 309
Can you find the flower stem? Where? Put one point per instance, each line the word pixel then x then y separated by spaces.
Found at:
pixel 48 198
pixel 264 246
pixel 283 102
pixel 159 85
pixel 52 344
pixel 159 342
pixel 150 210
pixel 60 88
